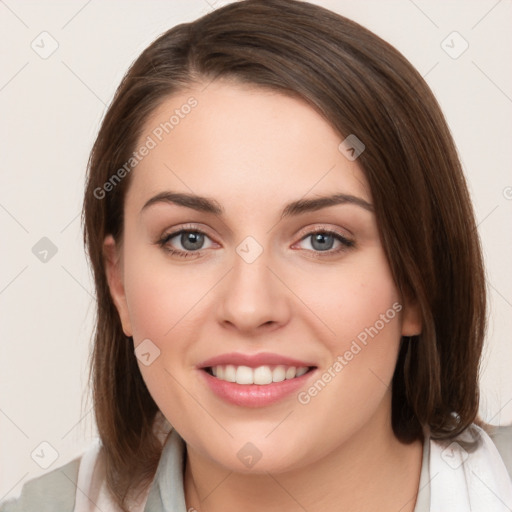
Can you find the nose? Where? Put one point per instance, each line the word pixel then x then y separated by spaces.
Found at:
pixel 252 298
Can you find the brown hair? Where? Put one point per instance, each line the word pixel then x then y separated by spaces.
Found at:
pixel 362 86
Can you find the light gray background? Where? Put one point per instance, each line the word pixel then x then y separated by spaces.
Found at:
pixel 50 112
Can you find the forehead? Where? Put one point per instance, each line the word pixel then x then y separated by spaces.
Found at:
pixel 242 144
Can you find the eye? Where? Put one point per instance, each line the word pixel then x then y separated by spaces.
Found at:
pixel 323 241
pixel 191 241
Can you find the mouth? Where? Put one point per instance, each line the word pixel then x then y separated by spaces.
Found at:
pixel 255 380
pixel 259 386
pixel 260 375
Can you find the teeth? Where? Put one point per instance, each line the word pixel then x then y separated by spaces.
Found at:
pixel 230 373
pixel 261 375
pixel 245 375
pixel 291 372
pixel 301 371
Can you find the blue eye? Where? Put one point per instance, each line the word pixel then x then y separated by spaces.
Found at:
pixel 192 242
pixel 324 240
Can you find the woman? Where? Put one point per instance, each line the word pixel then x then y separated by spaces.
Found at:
pixel 291 298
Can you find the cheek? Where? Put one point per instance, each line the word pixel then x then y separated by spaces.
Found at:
pixel 160 295
pixel 361 312
pixel 162 302
pixel 369 311
pixel 355 300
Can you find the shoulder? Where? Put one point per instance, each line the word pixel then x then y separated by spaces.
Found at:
pixel 502 439
pixel 78 486
pixel 54 491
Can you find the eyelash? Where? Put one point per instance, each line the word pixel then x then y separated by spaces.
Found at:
pixel 345 243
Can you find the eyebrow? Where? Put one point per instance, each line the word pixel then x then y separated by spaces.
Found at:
pixel 208 205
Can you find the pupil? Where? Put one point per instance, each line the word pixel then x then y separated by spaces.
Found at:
pixel 321 239
pixel 192 241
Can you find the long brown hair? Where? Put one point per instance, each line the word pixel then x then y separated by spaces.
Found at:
pixel 362 86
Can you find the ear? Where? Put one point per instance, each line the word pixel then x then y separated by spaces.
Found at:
pixel 114 273
pixel 412 323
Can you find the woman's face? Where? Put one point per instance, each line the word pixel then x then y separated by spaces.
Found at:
pixel 253 275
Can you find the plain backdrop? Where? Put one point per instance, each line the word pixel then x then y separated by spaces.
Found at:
pixel 51 107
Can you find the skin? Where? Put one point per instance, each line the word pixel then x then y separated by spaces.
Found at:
pixel 253 151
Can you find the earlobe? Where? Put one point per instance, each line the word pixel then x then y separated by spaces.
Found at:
pixel 113 270
pixel 412 323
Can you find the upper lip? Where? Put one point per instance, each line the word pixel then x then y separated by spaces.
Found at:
pixel 253 360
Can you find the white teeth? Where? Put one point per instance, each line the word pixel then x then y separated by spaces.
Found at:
pixel 301 371
pixel 244 375
pixel 230 373
pixel 261 375
pixel 290 372
pixel 279 374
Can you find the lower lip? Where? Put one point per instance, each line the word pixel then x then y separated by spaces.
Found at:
pixel 255 395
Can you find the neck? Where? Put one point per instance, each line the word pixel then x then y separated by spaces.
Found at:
pixel 371 471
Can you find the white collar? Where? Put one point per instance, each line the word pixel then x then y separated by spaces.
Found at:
pixel 466 474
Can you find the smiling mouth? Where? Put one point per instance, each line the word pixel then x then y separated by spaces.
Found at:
pixel 261 375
